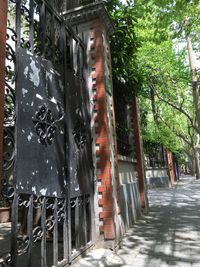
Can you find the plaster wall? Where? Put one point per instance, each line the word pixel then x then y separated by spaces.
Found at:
pixel 162 172
pixel 126 170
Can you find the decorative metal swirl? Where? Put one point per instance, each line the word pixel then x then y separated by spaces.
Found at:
pixel 80 130
pixel 25 11
pixel 10 53
pixel 25 43
pixel 9 112
pixel 5 259
pixel 37 202
pixel 37 233
pixel 23 202
pixel 61 210
pixel 45 124
pixel 22 244
pixel 50 222
pixel 7 191
pixel 8 154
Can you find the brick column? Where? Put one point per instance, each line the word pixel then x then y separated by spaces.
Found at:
pixel 138 152
pixel 103 153
pixel 3 22
pixel 170 167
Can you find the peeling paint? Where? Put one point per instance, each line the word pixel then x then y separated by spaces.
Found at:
pixel 43 191
pixel 29 137
pixel 53 100
pixel 34 76
pixel 24 92
pixel 39 96
pixel 54 194
pixel 34 189
pixel 26 71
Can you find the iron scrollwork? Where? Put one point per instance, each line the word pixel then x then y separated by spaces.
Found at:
pixel 80 130
pixel 45 124
pixel 7 191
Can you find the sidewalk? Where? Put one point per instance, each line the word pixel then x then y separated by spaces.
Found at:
pixel 169 236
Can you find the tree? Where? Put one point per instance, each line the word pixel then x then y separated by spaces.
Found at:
pixel 146 58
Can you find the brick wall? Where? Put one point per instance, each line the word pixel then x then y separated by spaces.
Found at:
pixel 138 151
pixel 103 152
pixel 3 21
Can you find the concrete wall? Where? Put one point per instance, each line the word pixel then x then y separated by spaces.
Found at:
pixel 131 208
pixel 129 190
pixel 126 170
pixel 157 177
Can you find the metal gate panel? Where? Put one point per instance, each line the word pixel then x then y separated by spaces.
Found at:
pixel 40 129
pixel 52 188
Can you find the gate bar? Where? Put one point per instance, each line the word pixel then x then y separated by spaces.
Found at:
pixel 30 229
pixel 43 243
pixel 14 230
pixel 55 234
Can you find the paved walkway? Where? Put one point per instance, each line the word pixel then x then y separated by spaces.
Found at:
pixel 169 236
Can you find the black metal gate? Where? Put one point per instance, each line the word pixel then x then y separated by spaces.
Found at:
pixel 47 123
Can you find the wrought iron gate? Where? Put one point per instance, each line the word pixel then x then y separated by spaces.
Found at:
pixel 47 110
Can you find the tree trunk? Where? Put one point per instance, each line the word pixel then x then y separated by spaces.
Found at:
pixel 197 164
pixel 193 170
pixel 196 96
pixel 195 85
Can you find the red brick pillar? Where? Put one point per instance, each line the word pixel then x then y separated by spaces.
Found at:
pixel 103 152
pixel 170 167
pixel 138 151
pixel 3 22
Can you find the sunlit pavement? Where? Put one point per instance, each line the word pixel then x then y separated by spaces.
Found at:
pixel 168 236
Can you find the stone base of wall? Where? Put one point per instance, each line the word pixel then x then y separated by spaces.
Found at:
pixel 156 182
pixel 131 208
